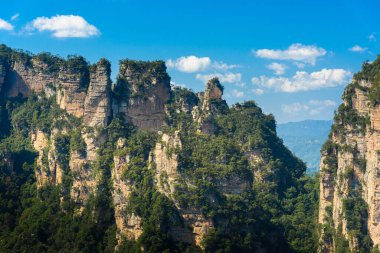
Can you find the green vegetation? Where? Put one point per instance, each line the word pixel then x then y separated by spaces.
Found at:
pixel 371 72
pixel 77 65
pixel 281 208
pixel 348 122
pixel 36 221
pixel 272 206
pixel 145 73
pixel 355 211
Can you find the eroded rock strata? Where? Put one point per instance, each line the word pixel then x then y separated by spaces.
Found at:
pixel 349 206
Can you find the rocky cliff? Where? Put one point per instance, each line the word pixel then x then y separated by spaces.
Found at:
pixel 84 90
pixel 138 166
pixel 349 180
pixel 142 90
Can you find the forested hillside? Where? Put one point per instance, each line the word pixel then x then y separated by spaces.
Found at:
pixel 91 165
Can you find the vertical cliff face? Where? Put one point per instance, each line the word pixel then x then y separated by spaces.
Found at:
pixel 128 223
pixel 80 89
pixel 142 90
pixel 195 225
pixel 84 90
pixel 349 181
pixel 97 105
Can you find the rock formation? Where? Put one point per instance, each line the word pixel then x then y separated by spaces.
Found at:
pixel 163 166
pixel 195 225
pixel 97 105
pixel 350 176
pixel 142 90
pixel 128 223
pixel 211 104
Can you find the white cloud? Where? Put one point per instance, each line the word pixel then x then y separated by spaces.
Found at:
pixel 303 81
pixel 294 108
pixel 64 26
pixel 189 64
pixel 278 68
pixel 237 94
pixel 174 84
pixel 224 78
pixel 14 17
pixel 223 66
pixel 240 84
pixel 358 48
pixel 312 107
pixel 4 25
pixel 295 52
pixel 299 65
pixel 327 102
pixel 372 37
pixel 258 91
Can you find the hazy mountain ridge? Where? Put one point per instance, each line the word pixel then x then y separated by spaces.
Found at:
pixel 305 138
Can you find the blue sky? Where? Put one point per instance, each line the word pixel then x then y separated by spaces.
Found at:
pixel 292 57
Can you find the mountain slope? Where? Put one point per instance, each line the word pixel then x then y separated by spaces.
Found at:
pixel 88 165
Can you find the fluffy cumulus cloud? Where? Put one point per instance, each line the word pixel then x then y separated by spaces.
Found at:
pixel 295 52
pixel 189 64
pixel 278 68
pixel 63 26
pixel 304 81
pixel 358 48
pixel 4 25
pixel 312 107
pixel 223 77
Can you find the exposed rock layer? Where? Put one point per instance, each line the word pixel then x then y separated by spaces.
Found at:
pixel 350 165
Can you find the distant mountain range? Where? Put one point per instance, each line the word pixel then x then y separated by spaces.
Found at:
pixel 305 139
